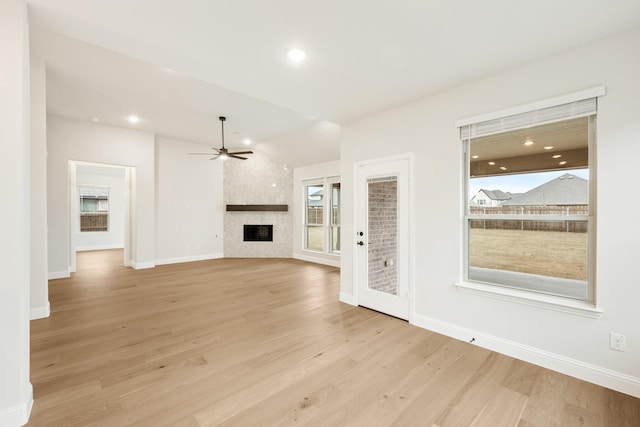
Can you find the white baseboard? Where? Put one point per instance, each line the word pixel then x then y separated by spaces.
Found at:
pixel 99 247
pixel 40 312
pixel 318 260
pixel 141 265
pixel 178 260
pixel 585 371
pixel 347 298
pixel 52 275
pixel 18 414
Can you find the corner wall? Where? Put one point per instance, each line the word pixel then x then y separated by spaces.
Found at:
pixel 189 214
pixel 569 343
pixel 16 396
pixel 38 270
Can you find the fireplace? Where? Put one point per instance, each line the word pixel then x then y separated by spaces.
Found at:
pixel 258 233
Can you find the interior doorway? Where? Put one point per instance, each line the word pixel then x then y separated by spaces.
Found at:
pixel 100 206
pixel 383 251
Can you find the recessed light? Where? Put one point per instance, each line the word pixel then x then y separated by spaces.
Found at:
pixel 95 119
pixel 492 163
pixel 247 141
pixel 475 156
pixel 549 147
pixel 133 119
pixel 528 142
pixel 556 156
pixel 503 168
pixel 564 162
pixel 296 55
pixel 273 185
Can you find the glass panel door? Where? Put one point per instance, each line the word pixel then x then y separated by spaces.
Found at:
pixel 382 229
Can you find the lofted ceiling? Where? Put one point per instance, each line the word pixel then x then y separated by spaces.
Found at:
pixel 180 64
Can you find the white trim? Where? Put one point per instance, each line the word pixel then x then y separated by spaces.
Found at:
pixel 52 275
pixel 537 105
pixel 141 265
pixel 550 302
pixel 347 298
pixel 40 312
pixel 529 217
pixel 193 258
pixel 18 414
pixel 319 260
pixel 585 371
pixel 99 247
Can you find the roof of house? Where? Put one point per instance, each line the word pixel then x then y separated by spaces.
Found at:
pixel 497 194
pixel 567 189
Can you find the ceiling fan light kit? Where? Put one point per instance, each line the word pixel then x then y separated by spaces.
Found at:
pixel 223 153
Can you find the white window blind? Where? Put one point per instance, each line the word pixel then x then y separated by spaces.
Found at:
pixel 571 110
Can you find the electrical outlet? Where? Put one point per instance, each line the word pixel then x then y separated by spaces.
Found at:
pixel 617 342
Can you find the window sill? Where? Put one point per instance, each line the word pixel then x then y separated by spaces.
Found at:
pixel 550 302
pixel 314 252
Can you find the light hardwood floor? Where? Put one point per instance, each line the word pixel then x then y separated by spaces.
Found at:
pixel 264 342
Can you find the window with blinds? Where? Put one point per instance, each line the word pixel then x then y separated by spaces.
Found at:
pixel 94 209
pixel 529 204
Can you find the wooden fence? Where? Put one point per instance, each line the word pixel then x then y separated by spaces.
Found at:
pixel 94 221
pixel 315 216
pixel 537 225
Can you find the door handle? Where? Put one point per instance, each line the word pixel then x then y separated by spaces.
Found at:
pixel 361 243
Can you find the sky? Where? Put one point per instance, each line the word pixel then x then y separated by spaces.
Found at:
pixel 519 183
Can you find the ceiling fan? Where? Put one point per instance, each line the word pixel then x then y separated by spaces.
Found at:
pixel 223 153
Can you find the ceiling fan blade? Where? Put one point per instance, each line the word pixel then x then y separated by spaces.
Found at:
pixel 236 157
pixel 242 152
pixel 214 157
pixel 204 154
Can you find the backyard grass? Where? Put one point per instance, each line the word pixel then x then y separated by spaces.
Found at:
pixel 547 253
pixel 314 238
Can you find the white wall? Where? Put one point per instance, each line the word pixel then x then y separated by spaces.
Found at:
pixel 39 279
pixel 94 143
pixel 257 181
pixel 317 171
pixel 15 218
pixel 566 342
pixel 189 216
pixel 114 179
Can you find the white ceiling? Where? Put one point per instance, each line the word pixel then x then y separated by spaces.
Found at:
pixel 229 58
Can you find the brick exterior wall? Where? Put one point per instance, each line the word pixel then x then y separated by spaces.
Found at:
pixel 383 236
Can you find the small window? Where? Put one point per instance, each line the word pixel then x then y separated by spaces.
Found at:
pixel 322 215
pixel 94 209
pixel 535 233
pixel 334 229
pixel 314 217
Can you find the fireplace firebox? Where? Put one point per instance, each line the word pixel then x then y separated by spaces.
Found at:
pixel 258 233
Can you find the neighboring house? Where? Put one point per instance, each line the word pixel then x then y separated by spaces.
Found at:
pixel 491 198
pixel 566 190
pixel 315 200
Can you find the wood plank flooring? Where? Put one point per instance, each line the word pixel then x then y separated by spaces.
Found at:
pixel 265 342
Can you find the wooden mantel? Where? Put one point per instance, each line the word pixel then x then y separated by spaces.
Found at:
pixel 257 208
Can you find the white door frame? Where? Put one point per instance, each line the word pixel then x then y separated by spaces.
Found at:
pixel 411 226
pixel 74 209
